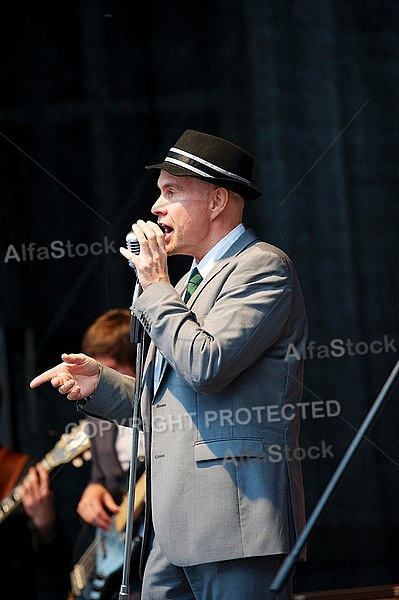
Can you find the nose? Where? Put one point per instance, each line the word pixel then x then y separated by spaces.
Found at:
pixel 159 206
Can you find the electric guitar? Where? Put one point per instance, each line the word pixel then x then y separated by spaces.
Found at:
pixel 70 446
pixel 105 555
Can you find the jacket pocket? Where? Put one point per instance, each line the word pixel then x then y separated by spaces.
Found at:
pixel 219 449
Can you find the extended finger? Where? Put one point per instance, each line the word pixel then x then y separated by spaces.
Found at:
pixel 56 372
pixel 44 377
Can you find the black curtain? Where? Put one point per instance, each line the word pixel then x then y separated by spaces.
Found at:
pixel 93 91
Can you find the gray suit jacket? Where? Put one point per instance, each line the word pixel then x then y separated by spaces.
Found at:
pixel 222 481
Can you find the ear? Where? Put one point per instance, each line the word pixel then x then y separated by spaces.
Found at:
pixel 218 201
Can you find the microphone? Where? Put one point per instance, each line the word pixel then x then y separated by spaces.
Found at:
pixel 133 245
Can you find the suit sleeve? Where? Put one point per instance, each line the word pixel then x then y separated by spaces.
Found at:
pixel 113 398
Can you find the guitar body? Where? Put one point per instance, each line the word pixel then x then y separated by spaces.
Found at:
pixel 106 581
pixel 12 465
pixel 110 550
pixel 98 573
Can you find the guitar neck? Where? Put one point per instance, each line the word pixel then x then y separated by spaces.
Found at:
pixel 13 500
pixel 83 571
pixel 70 445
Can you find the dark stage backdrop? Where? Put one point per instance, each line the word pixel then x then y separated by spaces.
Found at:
pixel 92 91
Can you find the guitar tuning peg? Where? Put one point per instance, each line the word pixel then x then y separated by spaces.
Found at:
pixel 87 455
pixel 77 462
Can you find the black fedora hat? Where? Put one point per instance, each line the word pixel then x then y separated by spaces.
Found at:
pixel 213 159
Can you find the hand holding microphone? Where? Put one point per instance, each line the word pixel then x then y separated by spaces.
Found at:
pixel 149 261
pixel 146 253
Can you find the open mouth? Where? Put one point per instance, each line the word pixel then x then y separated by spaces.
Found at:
pixel 166 230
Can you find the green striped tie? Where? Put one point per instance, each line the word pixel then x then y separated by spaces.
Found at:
pixel 193 283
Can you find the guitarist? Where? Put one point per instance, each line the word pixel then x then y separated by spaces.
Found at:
pixel 108 340
pixel 35 552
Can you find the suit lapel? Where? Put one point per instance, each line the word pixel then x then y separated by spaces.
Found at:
pixel 248 238
pixel 149 370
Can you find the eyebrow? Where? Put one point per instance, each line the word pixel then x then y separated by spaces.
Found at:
pixel 169 184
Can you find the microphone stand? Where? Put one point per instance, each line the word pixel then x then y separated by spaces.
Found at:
pixel 135 326
pixel 290 560
pixel 137 337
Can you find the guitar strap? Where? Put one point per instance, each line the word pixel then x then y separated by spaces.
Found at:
pixel 12 464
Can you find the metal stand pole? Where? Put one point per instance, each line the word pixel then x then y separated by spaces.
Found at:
pixel 125 586
pixel 314 518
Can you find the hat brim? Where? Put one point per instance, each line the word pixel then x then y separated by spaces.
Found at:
pixel 248 192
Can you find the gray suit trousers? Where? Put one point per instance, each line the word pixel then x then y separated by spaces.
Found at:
pixel 239 579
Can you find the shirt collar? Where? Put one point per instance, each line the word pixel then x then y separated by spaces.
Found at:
pixel 207 263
